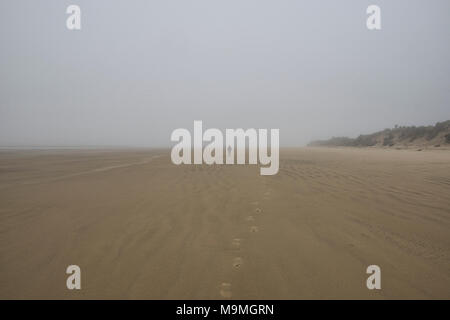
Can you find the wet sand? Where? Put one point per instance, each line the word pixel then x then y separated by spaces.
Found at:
pixel 142 228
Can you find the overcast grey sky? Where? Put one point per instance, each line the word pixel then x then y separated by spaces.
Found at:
pixel 139 69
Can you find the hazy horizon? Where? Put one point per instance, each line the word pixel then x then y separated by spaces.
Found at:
pixel 125 146
pixel 137 71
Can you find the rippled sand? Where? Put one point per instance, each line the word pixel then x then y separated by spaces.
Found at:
pixel 141 227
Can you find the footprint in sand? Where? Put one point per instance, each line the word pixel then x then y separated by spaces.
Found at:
pixel 225 290
pixel 236 243
pixel 250 218
pixel 254 229
pixel 237 262
pixel 258 210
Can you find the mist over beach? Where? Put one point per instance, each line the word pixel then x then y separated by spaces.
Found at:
pixel 231 150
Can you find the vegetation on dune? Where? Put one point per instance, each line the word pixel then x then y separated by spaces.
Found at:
pixel 399 135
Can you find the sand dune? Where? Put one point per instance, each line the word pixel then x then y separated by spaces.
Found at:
pixel 141 227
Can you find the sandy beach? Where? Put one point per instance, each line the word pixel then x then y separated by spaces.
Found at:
pixel 140 227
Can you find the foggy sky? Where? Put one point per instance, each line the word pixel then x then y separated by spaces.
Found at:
pixel 140 69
